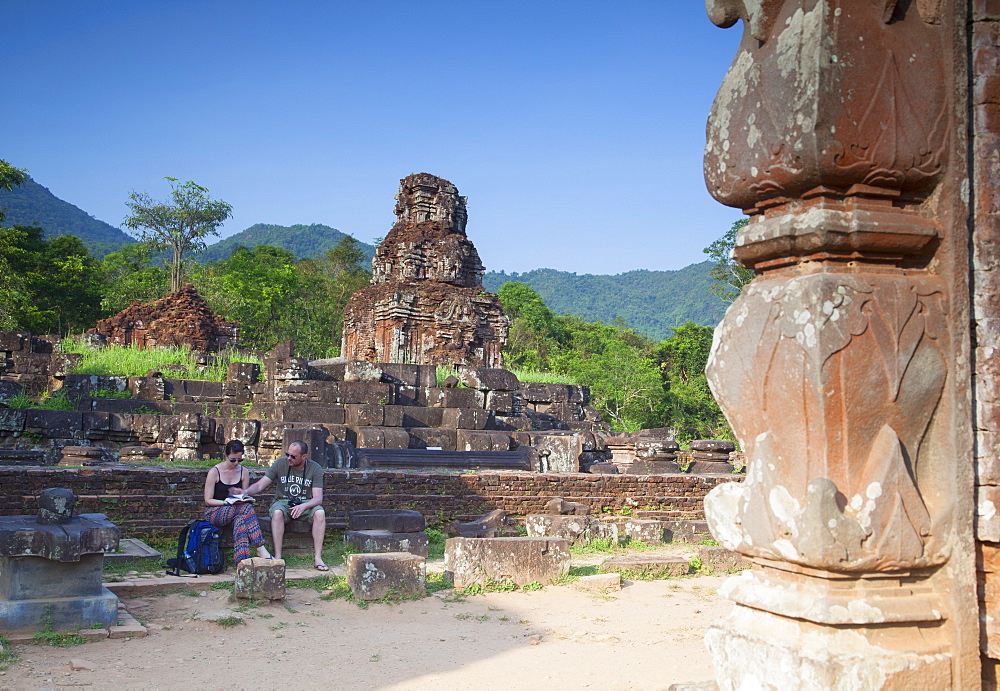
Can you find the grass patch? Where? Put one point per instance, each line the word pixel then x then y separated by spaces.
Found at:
pixel 179 363
pixel 608 546
pixel 575 572
pixel 535 377
pixel 435 543
pixel 501 586
pixel 58 400
pixel 49 637
pixel 110 393
pixel 230 622
pixel 8 654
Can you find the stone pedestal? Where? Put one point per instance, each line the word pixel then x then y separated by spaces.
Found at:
pixel 260 579
pixel 50 573
pixel 389 574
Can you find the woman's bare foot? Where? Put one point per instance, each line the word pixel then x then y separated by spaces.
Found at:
pixel 263 553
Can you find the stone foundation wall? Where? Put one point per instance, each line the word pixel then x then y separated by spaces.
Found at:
pixel 144 501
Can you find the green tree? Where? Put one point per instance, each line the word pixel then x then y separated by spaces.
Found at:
pixel 729 275
pixel 690 407
pixel 130 276
pixel 179 224
pixel 12 295
pixel 59 282
pixel 536 334
pixel 258 288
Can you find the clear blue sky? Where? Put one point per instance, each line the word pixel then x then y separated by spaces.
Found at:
pixel 575 128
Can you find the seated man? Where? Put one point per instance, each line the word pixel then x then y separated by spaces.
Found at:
pixel 298 496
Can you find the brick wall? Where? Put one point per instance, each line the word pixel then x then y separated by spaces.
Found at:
pixel 142 501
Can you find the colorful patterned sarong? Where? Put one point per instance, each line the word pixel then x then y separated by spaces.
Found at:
pixel 246 529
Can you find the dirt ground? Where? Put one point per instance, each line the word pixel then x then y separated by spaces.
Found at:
pixel 646 636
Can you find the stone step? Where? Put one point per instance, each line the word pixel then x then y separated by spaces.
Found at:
pixel 424 458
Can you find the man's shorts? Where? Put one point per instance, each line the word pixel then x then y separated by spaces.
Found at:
pixel 282 505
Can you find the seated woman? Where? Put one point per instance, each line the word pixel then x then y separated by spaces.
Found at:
pixel 221 478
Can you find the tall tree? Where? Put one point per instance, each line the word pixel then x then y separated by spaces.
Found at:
pixel 689 406
pixel 12 295
pixel 130 276
pixel 730 276
pixel 179 224
pixel 59 283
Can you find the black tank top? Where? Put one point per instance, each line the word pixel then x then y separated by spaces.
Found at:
pixel 222 489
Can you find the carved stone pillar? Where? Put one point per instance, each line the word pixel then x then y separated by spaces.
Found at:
pixel 844 366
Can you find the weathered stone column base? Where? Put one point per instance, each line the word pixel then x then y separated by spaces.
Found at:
pixel 752 649
pixel 58 614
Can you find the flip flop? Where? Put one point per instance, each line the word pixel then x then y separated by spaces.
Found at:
pixel 322 567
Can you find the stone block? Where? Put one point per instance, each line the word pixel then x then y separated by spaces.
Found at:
pixel 321 413
pixel 722 560
pixel 246 431
pixel 260 579
pixel 378 541
pixel 488 378
pixel 364 415
pixel 379 438
pixel 328 369
pixel 464 418
pixel 12 420
pixel 362 370
pixel 520 560
pixel 648 565
pixel 503 402
pixel 243 372
pixel 713 445
pixel 560 507
pixel 645 530
pixel 64 614
pixel 574 529
pixel 392 520
pixel 423 437
pixel 472 440
pixel 362 392
pixel 599 583
pixel 55 424
pixel 421 417
pixel 487 525
pixel 560 451
pixel 454 398
pixel 386 575
pixel 603 468
pixel 411 375
pixel 688 531
pixel 14 341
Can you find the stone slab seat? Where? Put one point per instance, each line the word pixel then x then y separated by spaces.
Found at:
pixel 424 458
pixel 521 560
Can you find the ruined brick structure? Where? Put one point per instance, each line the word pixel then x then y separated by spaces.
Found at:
pixel 426 303
pixel 844 367
pixel 180 319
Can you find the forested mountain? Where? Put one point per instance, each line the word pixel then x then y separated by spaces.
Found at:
pixel 304 241
pixel 31 204
pixel 651 302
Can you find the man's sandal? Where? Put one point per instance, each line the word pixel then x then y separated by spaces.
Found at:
pixel 322 567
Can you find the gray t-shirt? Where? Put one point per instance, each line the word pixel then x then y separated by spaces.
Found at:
pixel 291 482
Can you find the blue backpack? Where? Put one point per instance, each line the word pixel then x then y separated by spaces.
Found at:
pixel 198 550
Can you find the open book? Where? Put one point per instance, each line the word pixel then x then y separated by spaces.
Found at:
pixel 236 498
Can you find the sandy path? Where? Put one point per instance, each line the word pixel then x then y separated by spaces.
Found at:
pixel 646 636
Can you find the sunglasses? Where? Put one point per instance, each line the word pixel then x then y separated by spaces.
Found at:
pixel 292 456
